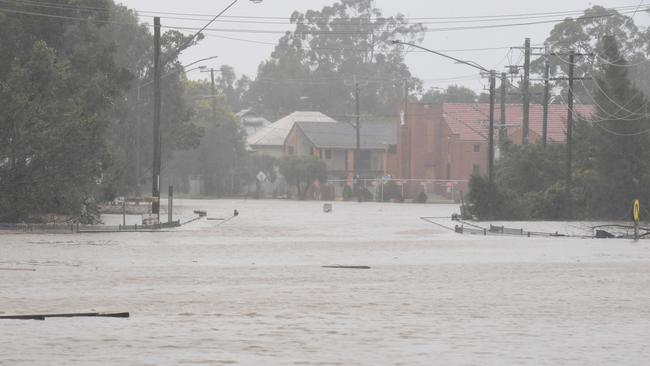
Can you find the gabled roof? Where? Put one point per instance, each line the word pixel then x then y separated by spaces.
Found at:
pixel 255 121
pixel 242 113
pixel 373 135
pixel 277 132
pixel 470 120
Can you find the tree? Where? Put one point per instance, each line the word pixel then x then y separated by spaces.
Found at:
pixel 89 90
pixel 453 94
pixel 220 158
pixel 302 172
pixel 131 133
pixel 621 136
pixel 51 149
pixel 59 82
pixel 311 67
pixel 586 34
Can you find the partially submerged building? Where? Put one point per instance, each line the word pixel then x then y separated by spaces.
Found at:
pixel 439 146
pixel 336 144
pixel 270 139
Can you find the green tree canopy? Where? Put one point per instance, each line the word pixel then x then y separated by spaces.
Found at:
pixel 312 67
pixel 220 157
pixel 302 171
pixel 76 104
pixel 453 94
pixel 586 34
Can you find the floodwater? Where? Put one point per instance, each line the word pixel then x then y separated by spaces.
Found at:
pixel 251 291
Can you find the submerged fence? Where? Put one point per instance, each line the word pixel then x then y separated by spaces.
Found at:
pixel 442 189
pixel 79 228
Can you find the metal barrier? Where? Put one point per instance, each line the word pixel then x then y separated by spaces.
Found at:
pixel 78 228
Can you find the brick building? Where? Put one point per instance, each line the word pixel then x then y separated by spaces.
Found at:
pixel 439 146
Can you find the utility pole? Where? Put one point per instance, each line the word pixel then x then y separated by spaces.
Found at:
pixel 138 133
pixel 357 152
pixel 491 133
pixel 569 135
pixel 526 93
pixel 503 130
pixel 569 128
pixel 406 136
pixel 547 90
pixel 357 126
pixel 214 98
pixel 155 192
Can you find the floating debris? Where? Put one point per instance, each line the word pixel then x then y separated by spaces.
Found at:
pixel 346 267
pixel 68 315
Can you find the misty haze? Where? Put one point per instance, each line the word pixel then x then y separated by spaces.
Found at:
pixel 326 182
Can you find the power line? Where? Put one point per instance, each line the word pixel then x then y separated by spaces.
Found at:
pixel 469 18
pixel 189 41
pixel 473 18
pixel 266 31
pixel 349 33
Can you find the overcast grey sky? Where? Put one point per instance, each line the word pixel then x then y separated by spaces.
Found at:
pixel 434 70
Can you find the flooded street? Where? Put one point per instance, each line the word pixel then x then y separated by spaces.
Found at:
pixel 252 291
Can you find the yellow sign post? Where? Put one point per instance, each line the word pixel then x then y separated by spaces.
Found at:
pixel 636 211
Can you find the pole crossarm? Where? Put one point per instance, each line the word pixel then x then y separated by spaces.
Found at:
pixel 566 79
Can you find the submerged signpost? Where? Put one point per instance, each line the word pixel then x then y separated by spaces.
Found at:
pixel 636 211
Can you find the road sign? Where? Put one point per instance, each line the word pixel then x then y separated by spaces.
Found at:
pixel 636 211
pixel 261 176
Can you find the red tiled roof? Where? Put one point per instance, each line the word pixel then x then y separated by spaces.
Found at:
pixel 470 120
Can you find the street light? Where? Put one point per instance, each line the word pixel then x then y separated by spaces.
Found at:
pixel 182 68
pixel 492 74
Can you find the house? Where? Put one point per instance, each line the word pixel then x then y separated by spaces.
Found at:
pixel 441 145
pixel 251 122
pixel 335 144
pixel 270 139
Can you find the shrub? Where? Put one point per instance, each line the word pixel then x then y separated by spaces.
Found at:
pixel 392 192
pixel 347 193
pixel 421 198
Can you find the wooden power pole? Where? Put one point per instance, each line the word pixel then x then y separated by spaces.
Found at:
pixel 155 192
pixel 491 128
pixel 547 90
pixel 503 130
pixel 569 137
pixel 526 93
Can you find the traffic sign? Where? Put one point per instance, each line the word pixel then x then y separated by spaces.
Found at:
pixel 261 176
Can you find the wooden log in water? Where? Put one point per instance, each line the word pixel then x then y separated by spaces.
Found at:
pixel 68 315
pixel 347 267
pixel 18 269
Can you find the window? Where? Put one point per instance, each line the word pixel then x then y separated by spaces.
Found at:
pixel 311 151
pixel 328 154
pixel 476 169
pixel 392 149
pixel 290 150
pixel 477 147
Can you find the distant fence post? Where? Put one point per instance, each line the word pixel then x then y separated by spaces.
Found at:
pixel 170 203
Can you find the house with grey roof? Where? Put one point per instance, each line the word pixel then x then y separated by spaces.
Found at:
pixel 270 139
pixel 335 144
